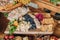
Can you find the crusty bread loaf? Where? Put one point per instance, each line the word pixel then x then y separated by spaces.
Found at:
pixel 47 21
pixel 18 38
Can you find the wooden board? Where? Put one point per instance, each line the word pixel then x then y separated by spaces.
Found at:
pixel 12 7
pixel 18 32
pixel 43 4
pixel 9 7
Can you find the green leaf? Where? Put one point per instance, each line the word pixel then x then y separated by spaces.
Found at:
pixel 12 29
pixel 10 23
pixel 54 1
pixel 15 2
pixel 6 14
pixel 58 0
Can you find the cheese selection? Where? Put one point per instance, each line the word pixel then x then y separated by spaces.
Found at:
pixel 23 20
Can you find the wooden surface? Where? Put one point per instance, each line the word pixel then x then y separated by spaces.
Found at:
pixel 43 4
pixel 9 7
pixel 13 7
pixel 19 32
